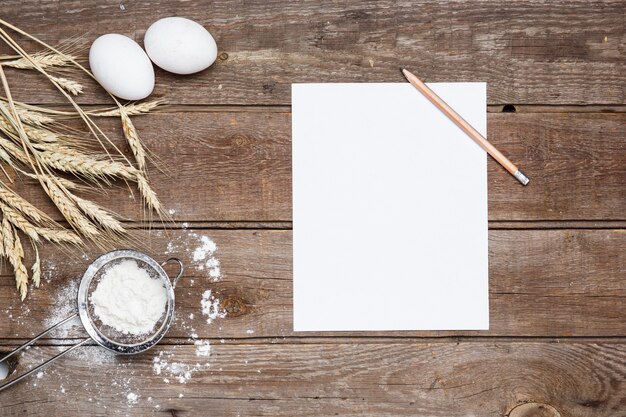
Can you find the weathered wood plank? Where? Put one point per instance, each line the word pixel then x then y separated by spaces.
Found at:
pixel 350 379
pixel 528 51
pixel 548 283
pixel 230 166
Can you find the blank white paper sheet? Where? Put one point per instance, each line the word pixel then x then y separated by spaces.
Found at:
pixel 389 209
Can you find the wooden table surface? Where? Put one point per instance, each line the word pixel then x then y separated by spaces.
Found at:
pixel 557 248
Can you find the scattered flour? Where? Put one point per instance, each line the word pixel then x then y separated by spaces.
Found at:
pixel 164 364
pixel 64 306
pixel 211 307
pixel 132 398
pixel 167 364
pixel 202 253
pixel 128 299
pixel 203 256
pixel 203 347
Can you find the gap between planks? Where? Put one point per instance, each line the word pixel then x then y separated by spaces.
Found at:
pixel 288 225
pixel 285 108
pixel 8 343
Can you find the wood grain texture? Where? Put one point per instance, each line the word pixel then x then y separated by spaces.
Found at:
pixel 543 283
pixel 348 378
pixel 557 341
pixel 534 52
pixel 236 166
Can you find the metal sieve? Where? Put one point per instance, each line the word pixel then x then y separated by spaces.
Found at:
pixel 104 335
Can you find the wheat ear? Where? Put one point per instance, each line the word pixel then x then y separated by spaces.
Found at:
pixel 69 210
pixel 65 159
pixel 59 235
pixel 131 109
pixel 70 86
pixel 99 215
pixel 148 194
pixel 19 221
pixel 36 268
pixel 43 115
pixel 33 118
pixel 131 135
pixel 56 235
pixel 38 134
pixel 15 253
pixel 43 59
pixel 18 203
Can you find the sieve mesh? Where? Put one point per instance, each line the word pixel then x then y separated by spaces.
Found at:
pixel 107 336
pixel 109 333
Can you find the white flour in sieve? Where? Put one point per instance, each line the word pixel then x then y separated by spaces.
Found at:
pixel 128 299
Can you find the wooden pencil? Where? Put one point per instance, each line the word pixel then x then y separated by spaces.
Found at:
pixel 466 127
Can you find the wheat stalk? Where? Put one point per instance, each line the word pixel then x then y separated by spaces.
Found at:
pixel 7 236
pixel 34 232
pixel 131 135
pixel 131 109
pixel 15 253
pixel 59 235
pixel 15 201
pixel 44 60
pixel 66 159
pixel 70 185
pixel 34 143
pixel 19 221
pixel 36 268
pixel 31 115
pixel 99 215
pixel 36 133
pixel 70 86
pixel 33 118
pixel 69 210
pixel 93 127
pixel 148 194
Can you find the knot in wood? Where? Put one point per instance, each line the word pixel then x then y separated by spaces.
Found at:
pixel 235 306
pixel 534 410
pixel 240 140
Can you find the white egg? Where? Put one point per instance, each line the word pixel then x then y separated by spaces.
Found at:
pixel 180 45
pixel 121 67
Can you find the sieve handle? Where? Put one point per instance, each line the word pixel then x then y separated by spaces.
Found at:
pixel 181 269
pixel 33 340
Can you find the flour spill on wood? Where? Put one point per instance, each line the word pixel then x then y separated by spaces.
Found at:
pixel 64 300
pixel 168 362
pixel 132 398
pixel 211 307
